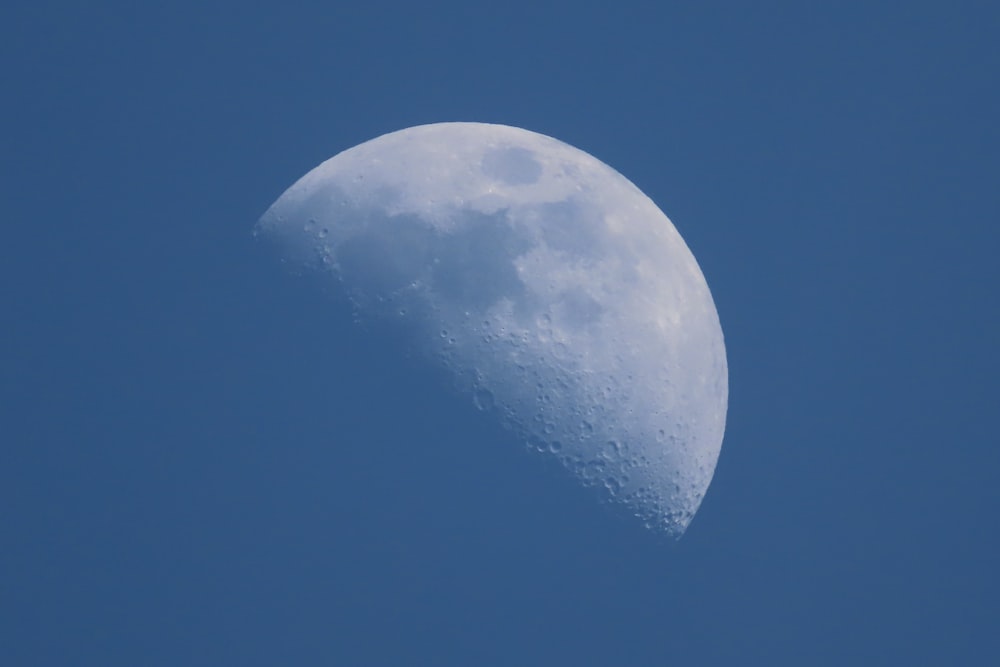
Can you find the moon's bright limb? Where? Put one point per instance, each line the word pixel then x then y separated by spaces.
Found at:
pixel 557 293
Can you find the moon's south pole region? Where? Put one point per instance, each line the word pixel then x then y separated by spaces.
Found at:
pixel 556 294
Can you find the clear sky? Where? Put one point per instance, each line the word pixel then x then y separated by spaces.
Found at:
pixel 204 462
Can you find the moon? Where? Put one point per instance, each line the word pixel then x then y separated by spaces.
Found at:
pixel 558 296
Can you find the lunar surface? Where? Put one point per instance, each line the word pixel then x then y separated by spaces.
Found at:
pixel 560 298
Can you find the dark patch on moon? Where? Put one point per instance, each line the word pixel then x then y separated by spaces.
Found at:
pixel 512 165
pixel 578 309
pixel 576 230
pixel 471 267
pixel 385 258
pixel 474 266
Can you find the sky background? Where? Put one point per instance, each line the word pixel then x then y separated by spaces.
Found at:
pixel 204 462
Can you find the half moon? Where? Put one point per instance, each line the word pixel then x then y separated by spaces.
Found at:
pixel 557 294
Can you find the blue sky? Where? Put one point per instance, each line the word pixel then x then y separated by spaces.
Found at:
pixel 203 461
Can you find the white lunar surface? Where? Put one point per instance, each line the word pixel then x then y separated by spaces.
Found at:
pixel 559 296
